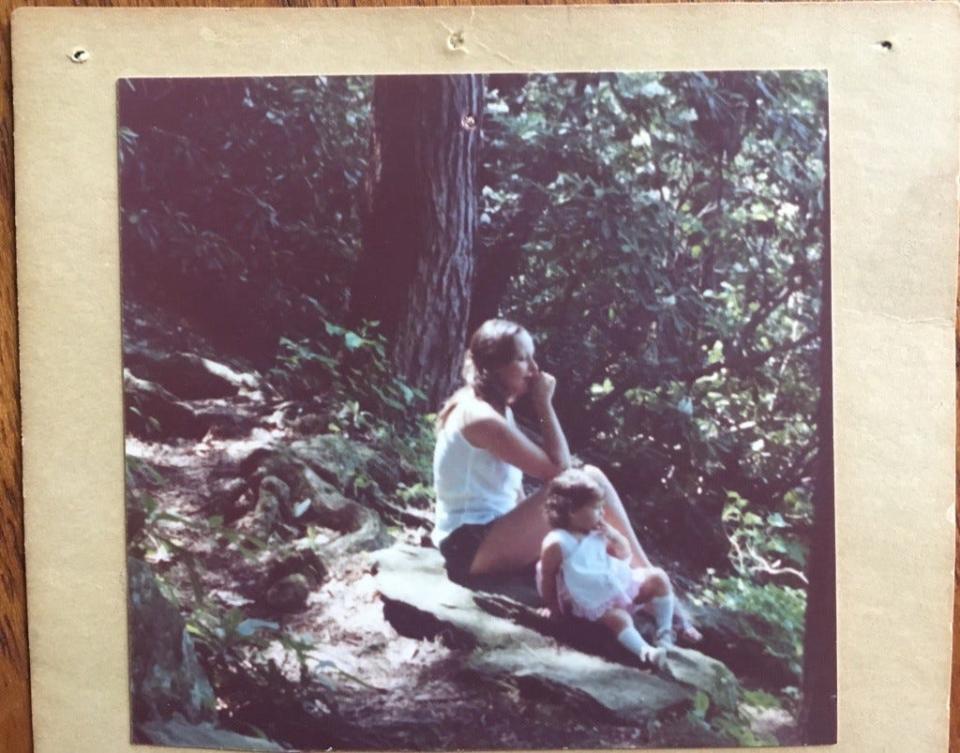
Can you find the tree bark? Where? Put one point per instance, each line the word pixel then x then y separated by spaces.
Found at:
pixel 819 712
pixel 416 273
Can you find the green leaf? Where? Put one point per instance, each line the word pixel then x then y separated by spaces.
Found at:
pixel 602 389
pixel 761 699
pixel 408 394
pixel 352 340
pixel 775 520
pixel 730 513
pixel 654 89
pixel 701 704
pixel 715 354
pixel 250 626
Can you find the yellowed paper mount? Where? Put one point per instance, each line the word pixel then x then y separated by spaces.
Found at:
pixel 894 87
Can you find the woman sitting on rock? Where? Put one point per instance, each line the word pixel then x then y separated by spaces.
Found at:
pixel 484 525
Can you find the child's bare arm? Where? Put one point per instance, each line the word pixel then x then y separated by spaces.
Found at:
pixel 551 557
pixel 617 544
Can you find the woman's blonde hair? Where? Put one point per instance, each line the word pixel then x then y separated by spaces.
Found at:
pixel 567 493
pixel 493 345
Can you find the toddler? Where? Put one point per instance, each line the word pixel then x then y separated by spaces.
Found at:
pixel 584 569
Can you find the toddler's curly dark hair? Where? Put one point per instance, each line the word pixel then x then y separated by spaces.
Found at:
pixel 567 493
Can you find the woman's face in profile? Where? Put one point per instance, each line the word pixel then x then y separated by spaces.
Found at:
pixel 516 376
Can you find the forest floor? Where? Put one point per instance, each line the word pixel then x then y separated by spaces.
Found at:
pixel 409 692
pixel 401 692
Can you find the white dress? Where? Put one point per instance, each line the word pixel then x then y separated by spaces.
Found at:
pixel 590 581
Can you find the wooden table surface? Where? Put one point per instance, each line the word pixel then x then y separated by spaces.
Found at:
pixel 15 733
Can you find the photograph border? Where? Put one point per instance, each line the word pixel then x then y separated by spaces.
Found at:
pixel 818 717
pixel 893 298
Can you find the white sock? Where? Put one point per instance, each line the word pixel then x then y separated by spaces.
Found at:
pixel 662 609
pixel 634 643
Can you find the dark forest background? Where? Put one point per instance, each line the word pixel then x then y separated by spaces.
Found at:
pixel 664 237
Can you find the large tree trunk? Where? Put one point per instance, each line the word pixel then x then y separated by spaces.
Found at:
pixel 819 714
pixel 417 269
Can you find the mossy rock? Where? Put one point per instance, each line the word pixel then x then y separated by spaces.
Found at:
pixel 341 461
pixel 289 594
pixel 178 732
pixel 165 675
pixel 187 375
pixel 151 412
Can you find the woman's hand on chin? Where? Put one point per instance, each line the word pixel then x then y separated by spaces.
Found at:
pixel 542 387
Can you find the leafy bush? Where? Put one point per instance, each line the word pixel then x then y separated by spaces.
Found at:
pixel 775 614
pixel 767 543
pixel 730 726
pixel 240 198
pixel 229 640
pixel 671 235
pixel 349 370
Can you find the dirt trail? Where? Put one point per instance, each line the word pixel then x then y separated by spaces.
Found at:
pixel 407 691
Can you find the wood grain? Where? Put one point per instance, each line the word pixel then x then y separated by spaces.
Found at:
pixel 15 734
pixel 15 730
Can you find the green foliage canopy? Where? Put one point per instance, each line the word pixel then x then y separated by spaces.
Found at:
pixel 239 199
pixel 673 280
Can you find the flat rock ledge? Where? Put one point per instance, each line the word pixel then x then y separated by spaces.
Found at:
pixel 505 641
pixel 178 732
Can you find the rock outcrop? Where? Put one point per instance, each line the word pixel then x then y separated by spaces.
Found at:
pixel 152 411
pixel 731 637
pixel 290 484
pixel 508 642
pixel 187 375
pixel 172 700
pixel 165 676
pixel 178 732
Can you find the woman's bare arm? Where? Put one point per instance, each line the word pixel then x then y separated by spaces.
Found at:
pixel 491 432
pixel 485 428
pixel 554 441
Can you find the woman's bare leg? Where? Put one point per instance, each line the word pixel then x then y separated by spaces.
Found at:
pixel 513 541
pixel 686 630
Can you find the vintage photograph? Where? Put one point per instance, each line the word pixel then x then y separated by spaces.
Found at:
pixel 478 411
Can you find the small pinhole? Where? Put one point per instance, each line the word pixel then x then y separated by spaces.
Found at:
pixel 79 55
pixel 887 45
pixel 469 122
pixel 456 41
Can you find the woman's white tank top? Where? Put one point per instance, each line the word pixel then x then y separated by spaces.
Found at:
pixel 472 485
